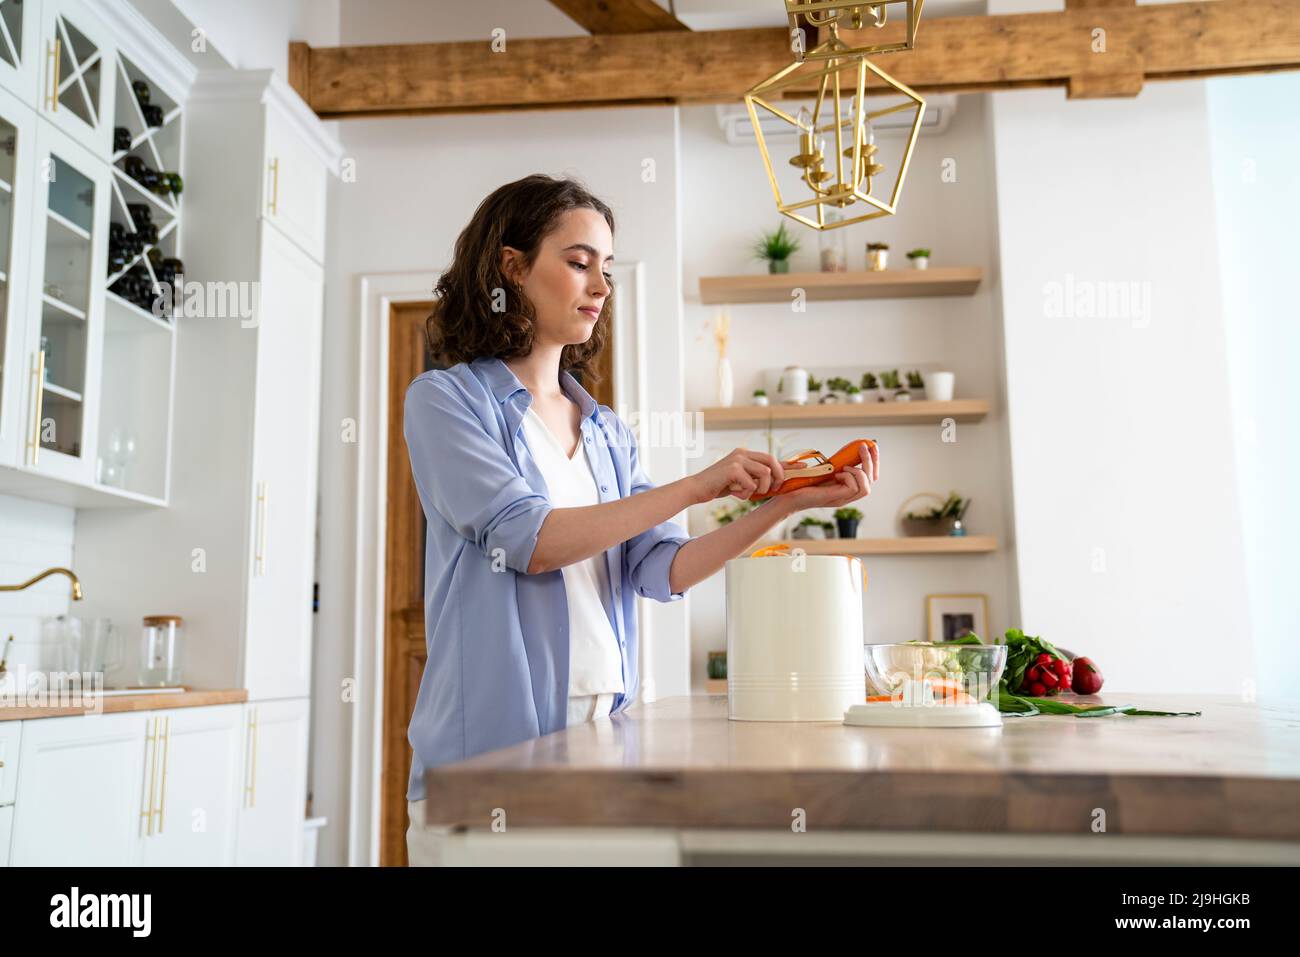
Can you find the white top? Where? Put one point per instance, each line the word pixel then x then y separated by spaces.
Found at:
pixel 595 659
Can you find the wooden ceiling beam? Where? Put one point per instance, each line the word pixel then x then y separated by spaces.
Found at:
pixel 619 16
pixel 1094 51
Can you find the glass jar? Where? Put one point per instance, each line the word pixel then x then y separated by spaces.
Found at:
pixel 831 243
pixel 162 651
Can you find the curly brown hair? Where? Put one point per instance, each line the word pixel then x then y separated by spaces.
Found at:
pixel 464 324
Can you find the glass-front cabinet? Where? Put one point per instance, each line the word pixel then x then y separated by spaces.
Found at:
pixel 65 329
pixel 20 28
pixel 17 149
pixel 91 148
pixel 77 91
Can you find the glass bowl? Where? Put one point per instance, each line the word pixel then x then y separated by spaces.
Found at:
pixel 978 668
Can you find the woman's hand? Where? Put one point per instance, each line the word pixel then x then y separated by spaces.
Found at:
pixel 847 485
pixel 742 473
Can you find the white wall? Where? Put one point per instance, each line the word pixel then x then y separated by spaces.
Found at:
pixel 254 36
pixel 1126 503
pixel 726 203
pixel 1256 135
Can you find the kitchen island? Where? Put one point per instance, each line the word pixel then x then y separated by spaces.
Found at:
pixel 675 782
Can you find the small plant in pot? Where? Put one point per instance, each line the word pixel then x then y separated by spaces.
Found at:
pixel 920 258
pixel 870 386
pixel 889 383
pixel 776 248
pixel 846 521
pixel 760 397
pixel 814 387
pixel 811 528
pixel 837 387
pixel 916 384
pixel 854 394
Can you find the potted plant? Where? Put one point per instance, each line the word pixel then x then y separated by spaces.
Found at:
pixel 760 397
pixel 838 387
pixel 809 528
pixel 814 387
pixel 846 520
pixel 776 248
pixel 920 258
pixel 854 394
pixel 916 384
pixel 889 383
pixel 877 256
pixel 870 387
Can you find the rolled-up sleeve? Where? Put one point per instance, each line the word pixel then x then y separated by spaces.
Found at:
pixel 463 475
pixel 650 555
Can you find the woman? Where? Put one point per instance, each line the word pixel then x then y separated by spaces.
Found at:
pixel 542 523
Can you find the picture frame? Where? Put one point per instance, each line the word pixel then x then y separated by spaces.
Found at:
pixel 948 617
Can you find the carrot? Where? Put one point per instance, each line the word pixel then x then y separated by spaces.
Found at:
pixel 844 458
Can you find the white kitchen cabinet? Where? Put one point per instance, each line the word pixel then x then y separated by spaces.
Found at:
pixel 77 84
pixel 233 553
pixel 17 174
pixel 285 441
pixel 294 185
pixel 10 740
pixel 274 792
pixel 82 790
pixel 20 52
pixel 65 311
pixel 91 427
pixel 195 794
pixel 6 833
pixel 207 786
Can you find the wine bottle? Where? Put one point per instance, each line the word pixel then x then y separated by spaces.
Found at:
pixel 141 90
pixel 153 115
pixel 135 168
pixel 140 213
pixel 121 139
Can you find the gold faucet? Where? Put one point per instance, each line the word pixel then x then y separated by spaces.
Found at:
pixel 76 583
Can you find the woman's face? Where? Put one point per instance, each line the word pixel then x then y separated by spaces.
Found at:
pixel 568 282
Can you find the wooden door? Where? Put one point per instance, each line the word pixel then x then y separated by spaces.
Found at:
pixel 404 645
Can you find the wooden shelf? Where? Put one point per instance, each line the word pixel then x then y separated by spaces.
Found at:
pixel 825 286
pixel 843 413
pixel 921 545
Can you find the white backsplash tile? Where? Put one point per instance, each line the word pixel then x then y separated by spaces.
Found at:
pixel 34 536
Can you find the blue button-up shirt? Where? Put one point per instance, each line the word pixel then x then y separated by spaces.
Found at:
pixel 497 671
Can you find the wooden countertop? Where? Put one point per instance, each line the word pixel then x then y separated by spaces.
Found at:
pixel 108 704
pixel 679 762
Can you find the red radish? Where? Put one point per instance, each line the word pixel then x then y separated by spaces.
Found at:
pixel 1036 689
pixel 1050 680
pixel 1087 677
pixel 1061 667
pixel 1043 659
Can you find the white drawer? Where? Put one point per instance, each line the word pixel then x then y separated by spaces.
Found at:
pixel 6 829
pixel 10 737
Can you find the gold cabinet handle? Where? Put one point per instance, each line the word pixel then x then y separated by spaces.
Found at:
pixel 151 739
pixel 166 746
pixel 263 505
pixel 54 52
pixel 250 789
pixel 38 402
pixel 275 186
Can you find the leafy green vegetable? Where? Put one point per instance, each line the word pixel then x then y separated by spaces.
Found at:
pixel 1026 707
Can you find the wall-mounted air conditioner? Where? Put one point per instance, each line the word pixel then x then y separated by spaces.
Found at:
pixel 733 119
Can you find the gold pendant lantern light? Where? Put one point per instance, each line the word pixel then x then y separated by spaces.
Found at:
pixel 848 177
